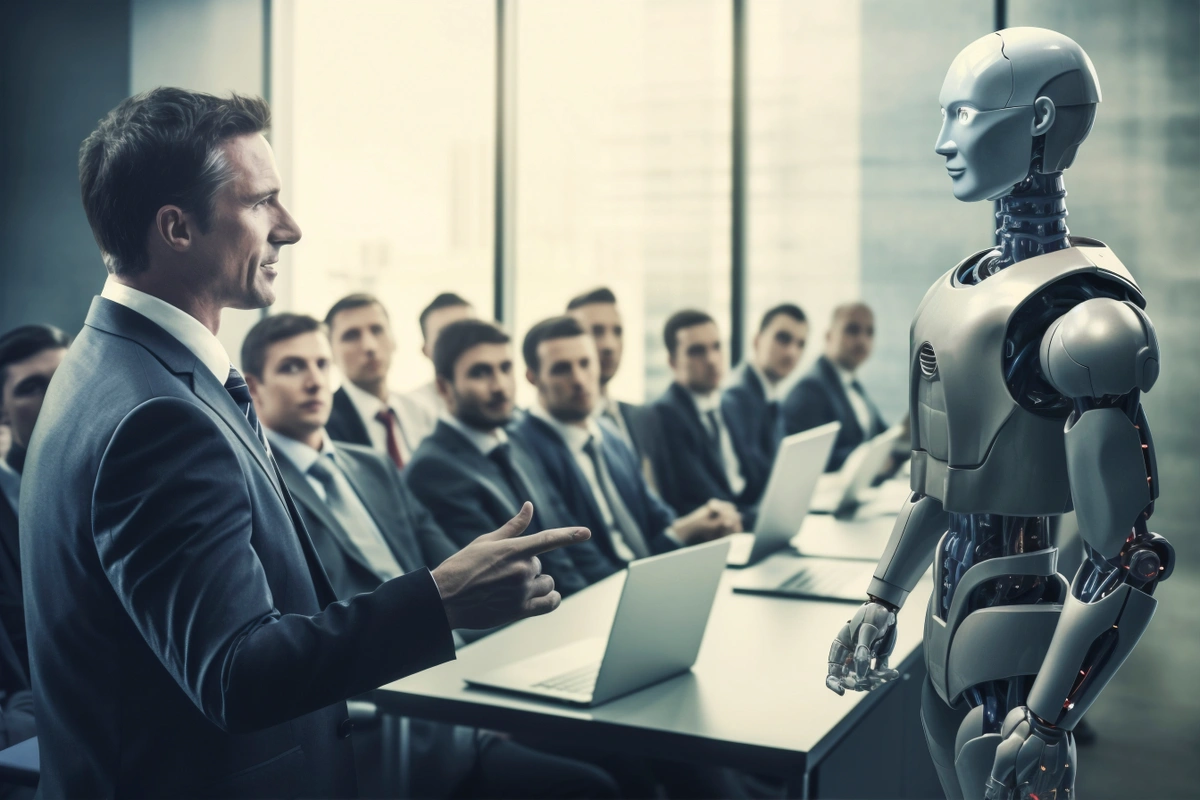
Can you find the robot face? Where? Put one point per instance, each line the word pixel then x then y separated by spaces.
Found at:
pixel 987 151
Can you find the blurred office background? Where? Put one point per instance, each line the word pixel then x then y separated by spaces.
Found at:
pixel 710 153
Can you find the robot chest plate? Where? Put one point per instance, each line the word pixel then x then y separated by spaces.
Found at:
pixel 975 447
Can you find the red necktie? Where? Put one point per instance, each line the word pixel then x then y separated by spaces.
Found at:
pixel 388 418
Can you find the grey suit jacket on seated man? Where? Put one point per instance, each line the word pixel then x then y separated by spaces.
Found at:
pixel 186 639
pixel 466 491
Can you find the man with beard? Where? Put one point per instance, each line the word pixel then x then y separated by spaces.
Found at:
pixel 830 392
pixel 469 471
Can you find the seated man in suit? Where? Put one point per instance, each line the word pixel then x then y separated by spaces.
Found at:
pixel 365 410
pixel 599 315
pixel 830 392
pixel 751 400
pixel 368 528
pixel 702 459
pixel 590 467
pixel 444 309
pixel 469 472
pixel 29 355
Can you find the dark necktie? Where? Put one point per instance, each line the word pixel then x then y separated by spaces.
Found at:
pixel 501 455
pixel 236 386
pixel 348 510
pixel 714 431
pixel 622 520
pixel 387 418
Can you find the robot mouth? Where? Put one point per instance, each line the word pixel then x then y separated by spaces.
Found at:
pixel 956 173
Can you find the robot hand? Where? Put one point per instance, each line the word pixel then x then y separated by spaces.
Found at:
pixel 1033 760
pixel 871 633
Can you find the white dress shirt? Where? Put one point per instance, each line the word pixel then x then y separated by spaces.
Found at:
pixel 771 390
pixel 485 441
pixel 576 438
pixel 180 324
pixel 862 412
pixel 427 408
pixel 611 410
pixel 10 484
pixel 409 419
pixel 369 541
pixel 733 468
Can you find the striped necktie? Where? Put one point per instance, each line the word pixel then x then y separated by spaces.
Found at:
pixel 235 384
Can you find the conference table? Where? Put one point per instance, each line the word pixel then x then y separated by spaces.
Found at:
pixel 754 700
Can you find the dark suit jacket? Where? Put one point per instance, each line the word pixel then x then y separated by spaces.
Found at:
pixel 184 639
pixel 16 701
pixel 468 496
pixel 568 481
pixel 752 419
pixel 441 757
pixel 12 603
pixel 820 398
pixel 344 424
pixel 690 471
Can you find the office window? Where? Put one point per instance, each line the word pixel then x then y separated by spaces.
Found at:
pixel 623 128
pixel 389 109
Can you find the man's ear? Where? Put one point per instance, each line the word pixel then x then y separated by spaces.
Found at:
pixel 443 389
pixel 174 227
pixel 253 384
pixel 531 376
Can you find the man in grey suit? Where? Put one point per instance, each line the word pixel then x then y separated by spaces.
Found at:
pixel 367 528
pixel 183 636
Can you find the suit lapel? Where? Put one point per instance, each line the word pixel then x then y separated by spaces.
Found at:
pixel 691 415
pixel 352 426
pixel 321 584
pixel 483 469
pixel 384 509
pixel 838 391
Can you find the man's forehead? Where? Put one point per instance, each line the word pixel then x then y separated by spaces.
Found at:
pixel 701 332
pixel 488 352
pixel 251 162
pixel 566 347
pixel 359 316
pixel 600 312
pixel 302 345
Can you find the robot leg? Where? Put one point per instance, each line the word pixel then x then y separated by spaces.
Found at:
pixel 941 723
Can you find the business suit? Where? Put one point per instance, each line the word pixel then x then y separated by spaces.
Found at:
pixel 651 514
pixel 691 470
pixel 820 398
pixel 442 757
pixel 346 424
pixel 12 603
pixel 752 417
pixel 469 495
pixel 184 638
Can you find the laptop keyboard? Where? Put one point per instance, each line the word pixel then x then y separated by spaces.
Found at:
pixel 824 580
pixel 576 681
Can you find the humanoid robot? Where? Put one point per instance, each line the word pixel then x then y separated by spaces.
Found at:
pixel 1028 361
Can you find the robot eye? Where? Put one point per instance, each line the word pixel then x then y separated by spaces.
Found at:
pixel 943 113
pixel 965 115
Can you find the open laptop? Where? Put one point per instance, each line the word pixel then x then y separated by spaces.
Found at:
pixel 842 492
pixel 655 635
pixel 799 464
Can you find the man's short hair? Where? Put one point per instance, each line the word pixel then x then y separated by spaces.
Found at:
pixel 351 301
pixel 843 309
pixel 267 332
pixel 786 309
pixel 161 147
pixel 443 300
pixel 688 318
pixel 563 327
pixel 27 341
pixel 600 295
pixel 459 337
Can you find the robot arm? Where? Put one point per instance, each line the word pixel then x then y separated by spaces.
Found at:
pixel 871 633
pixel 1102 354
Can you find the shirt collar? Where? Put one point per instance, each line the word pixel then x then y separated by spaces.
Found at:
pixel 301 455
pixel 770 390
pixel 183 326
pixel 367 404
pixel 575 437
pixel 484 441
pixel 846 376
pixel 706 403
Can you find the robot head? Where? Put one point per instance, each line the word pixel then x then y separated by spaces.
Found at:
pixel 1007 96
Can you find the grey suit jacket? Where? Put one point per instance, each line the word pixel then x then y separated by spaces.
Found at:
pixel 441 755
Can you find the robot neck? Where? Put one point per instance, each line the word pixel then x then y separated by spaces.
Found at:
pixel 1033 219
